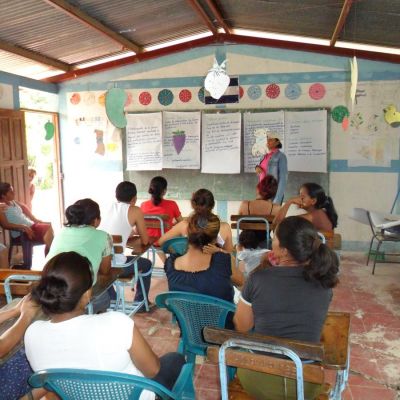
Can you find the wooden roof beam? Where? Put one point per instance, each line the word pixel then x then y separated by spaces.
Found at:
pixel 82 17
pixel 203 15
pixel 218 16
pixel 34 56
pixel 341 21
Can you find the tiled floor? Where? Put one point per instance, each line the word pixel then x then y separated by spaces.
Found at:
pixel 373 301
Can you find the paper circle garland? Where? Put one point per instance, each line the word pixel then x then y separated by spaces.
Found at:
pixel 129 99
pixel 272 91
pixel 317 91
pixel 102 99
pixel 241 92
pixel 201 95
pixel 293 91
pixel 254 92
pixel 145 98
pixel 165 97
pixel 49 128
pixel 115 102
pixel 339 113
pixel 89 98
pixel 75 99
pixel 185 95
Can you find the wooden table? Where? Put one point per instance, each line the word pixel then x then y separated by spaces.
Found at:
pixel 138 249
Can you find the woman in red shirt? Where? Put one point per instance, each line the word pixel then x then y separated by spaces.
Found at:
pixel 158 205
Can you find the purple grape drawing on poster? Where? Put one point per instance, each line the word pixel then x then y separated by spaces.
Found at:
pixel 179 139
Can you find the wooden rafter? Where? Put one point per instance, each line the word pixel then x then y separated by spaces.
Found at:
pixel 203 15
pixel 218 16
pixel 34 56
pixel 224 38
pixel 341 21
pixel 82 17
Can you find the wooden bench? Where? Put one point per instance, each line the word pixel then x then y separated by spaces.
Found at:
pixel 313 373
pixel 154 221
pixel 333 240
pixel 253 225
pixel 334 341
pixel 21 288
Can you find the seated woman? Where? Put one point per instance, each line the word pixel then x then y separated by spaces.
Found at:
pixel 317 206
pixel 20 221
pixel 263 204
pixel 290 299
pixel 158 205
pixel 200 272
pixel 202 203
pixel 80 235
pixel 71 339
pixel 14 372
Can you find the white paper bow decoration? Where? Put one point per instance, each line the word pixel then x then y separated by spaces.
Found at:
pixel 217 81
pixel 354 80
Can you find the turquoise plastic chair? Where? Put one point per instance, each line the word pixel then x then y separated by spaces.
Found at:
pixel 176 245
pixel 194 312
pixel 80 384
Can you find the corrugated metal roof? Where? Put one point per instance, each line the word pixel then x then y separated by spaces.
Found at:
pixel 314 18
pixel 38 26
pixel 373 22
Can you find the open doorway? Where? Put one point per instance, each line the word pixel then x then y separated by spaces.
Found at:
pixel 42 142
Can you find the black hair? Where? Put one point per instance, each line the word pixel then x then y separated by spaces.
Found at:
pixel 315 191
pixel 203 202
pixel 248 239
pixel 4 188
pixel 279 145
pixel 125 191
pixel 65 278
pixel 82 212
pixel 202 230
pixel 157 187
pixel 301 239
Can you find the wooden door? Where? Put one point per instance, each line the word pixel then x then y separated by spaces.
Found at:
pixel 13 153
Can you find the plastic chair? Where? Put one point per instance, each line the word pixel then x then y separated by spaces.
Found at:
pixel 78 384
pixel 176 245
pixel 322 237
pixel 194 312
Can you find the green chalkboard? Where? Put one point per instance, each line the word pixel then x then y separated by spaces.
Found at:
pixel 182 183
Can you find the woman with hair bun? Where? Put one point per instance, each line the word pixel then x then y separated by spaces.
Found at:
pixel 199 272
pixel 158 205
pixel 318 208
pixel 289 299
pixel 72 339
pixel 202 203
pixel 80 235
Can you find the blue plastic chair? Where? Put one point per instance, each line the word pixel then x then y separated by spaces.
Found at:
pixel 80 384
pixel 176 245
pixel 194 312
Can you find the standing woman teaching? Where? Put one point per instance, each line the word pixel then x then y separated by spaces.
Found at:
pixel 274 163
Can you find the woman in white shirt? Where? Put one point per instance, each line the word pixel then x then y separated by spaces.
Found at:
pixel 73 339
